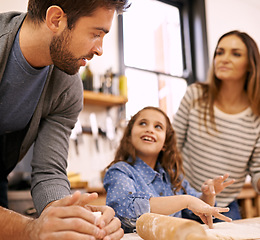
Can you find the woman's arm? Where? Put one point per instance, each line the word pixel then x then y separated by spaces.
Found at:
pixel 254 166
pixel 181 118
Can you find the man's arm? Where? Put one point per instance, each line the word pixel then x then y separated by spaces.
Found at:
pixel 13 225
pixel 63 219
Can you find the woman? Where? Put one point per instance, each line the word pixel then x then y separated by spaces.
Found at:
pixel 218 124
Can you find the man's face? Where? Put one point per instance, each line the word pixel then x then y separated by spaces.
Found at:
pixel 70 50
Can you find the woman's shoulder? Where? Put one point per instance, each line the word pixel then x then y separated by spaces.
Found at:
pixel 194 91
pixel 197 87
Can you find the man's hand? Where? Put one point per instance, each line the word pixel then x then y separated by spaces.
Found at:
pixel 107 222
pixel 71 218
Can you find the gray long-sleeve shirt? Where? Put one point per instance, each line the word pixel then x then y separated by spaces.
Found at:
pixel 50 125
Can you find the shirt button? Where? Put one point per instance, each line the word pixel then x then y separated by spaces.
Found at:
pixel 161 193
pixel 130 193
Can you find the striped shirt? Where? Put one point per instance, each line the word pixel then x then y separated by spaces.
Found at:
pixel 234 148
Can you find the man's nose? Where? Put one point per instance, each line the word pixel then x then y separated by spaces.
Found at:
pixel 98 49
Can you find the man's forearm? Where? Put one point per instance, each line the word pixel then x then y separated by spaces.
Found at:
pixel 13 225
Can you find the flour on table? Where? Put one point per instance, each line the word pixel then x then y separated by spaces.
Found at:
pixel 131 236
pixel 234 231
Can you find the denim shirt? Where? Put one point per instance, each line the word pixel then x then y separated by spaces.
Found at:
pixel 129 189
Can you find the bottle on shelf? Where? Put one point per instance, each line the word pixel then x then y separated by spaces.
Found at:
pixel 87 79
pixel 107 82
pixel 123 85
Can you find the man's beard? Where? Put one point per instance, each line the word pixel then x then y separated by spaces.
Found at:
pixel 61 57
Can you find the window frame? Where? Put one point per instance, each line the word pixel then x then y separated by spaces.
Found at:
pixel 194 41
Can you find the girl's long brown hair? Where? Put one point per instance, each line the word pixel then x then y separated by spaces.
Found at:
pixel 169 157
pixel 252 83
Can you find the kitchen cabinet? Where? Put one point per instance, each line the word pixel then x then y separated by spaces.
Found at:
pixel 101 99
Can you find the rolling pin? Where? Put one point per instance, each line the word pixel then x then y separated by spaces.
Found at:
pixel 151 226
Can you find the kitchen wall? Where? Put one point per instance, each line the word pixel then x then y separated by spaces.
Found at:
pixel 226 15
pixel 221 15
pixel 13 5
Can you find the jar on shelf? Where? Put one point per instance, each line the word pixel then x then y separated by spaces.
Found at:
pixel 87 79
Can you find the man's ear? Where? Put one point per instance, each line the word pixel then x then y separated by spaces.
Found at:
pixel 55 19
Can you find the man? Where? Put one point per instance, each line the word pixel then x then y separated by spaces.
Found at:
pixel 40 99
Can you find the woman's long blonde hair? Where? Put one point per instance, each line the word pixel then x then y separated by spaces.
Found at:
pixel 252 84
pixel 169 158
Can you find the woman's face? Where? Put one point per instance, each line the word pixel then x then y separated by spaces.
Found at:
pixel 148 133
pixel 231 60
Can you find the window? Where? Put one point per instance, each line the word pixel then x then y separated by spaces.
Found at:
pixel 157 52
pixel 153 56
pixel 152 37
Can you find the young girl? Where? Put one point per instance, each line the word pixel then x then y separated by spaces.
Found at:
pixel 147 175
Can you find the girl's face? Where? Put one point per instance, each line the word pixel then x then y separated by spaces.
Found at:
pixel 148 134
pixel 231 60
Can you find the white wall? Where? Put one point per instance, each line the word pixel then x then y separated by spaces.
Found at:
pixel 13 5
pixel 226 15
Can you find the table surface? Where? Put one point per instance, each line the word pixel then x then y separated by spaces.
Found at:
pixel 134 236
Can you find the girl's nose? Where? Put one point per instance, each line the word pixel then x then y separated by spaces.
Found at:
pixel 149 128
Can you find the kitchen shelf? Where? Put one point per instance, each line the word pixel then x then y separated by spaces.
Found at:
pixel 101 99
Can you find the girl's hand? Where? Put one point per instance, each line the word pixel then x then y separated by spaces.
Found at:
pixel 205 211
pixel 216 185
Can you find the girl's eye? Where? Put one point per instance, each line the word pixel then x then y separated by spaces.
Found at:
pixel 142 123
pixel 158 126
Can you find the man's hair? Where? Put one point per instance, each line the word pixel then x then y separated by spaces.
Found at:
pixel 74 9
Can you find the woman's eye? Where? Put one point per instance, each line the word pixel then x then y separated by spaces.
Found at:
pixel 219 53
pixel 237 54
